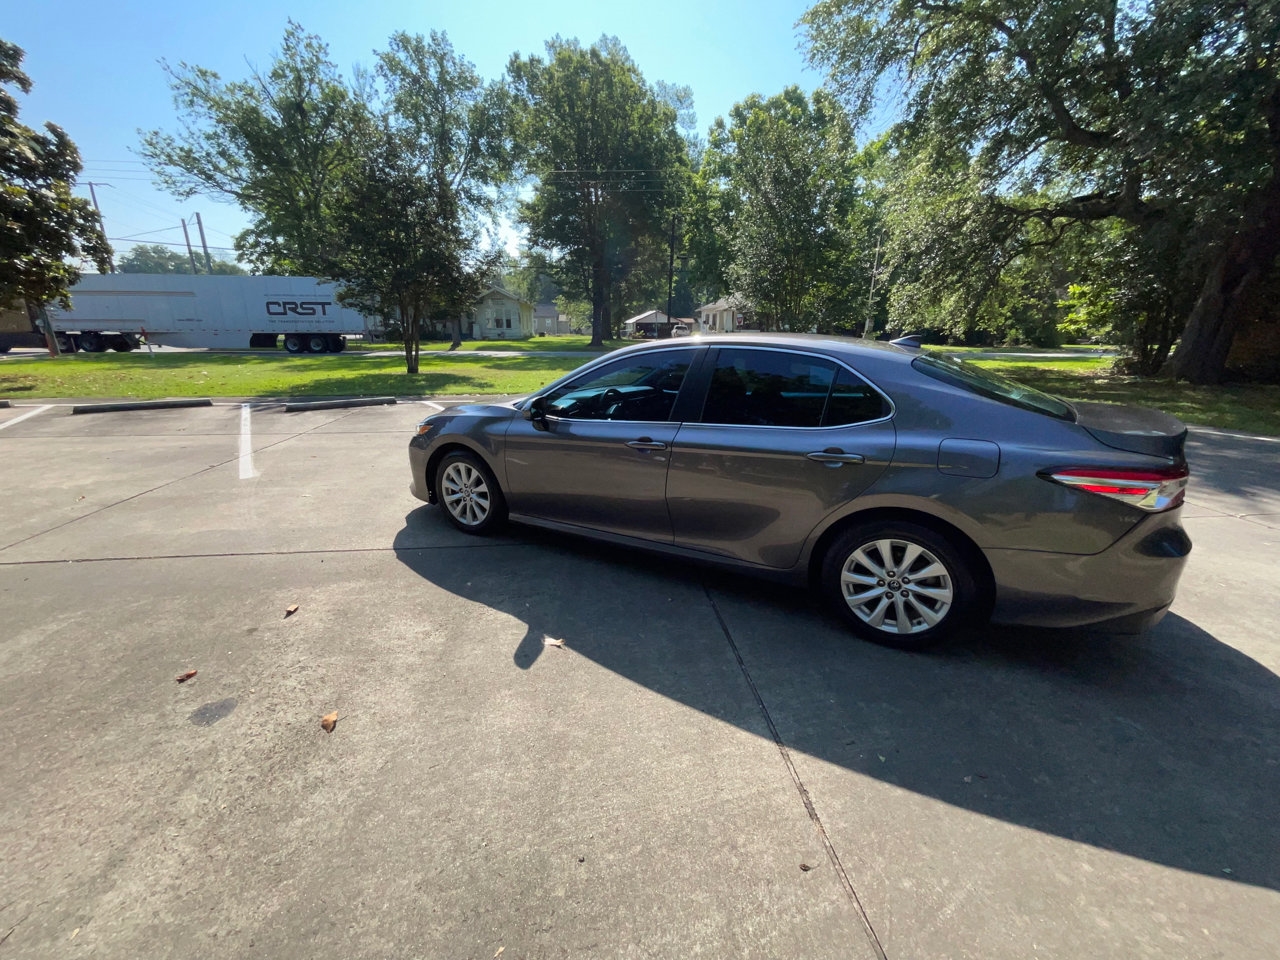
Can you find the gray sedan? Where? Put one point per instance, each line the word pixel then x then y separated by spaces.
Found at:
pixel 916 492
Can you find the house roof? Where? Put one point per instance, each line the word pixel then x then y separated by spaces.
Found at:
pixel 504 292
pixel 731 302
pixel 649 316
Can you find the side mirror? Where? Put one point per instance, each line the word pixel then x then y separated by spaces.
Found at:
pixel 536 412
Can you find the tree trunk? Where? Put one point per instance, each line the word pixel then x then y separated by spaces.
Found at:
pixel 1231 288
pixel 412 330
pixel 455 332
pixel 599 304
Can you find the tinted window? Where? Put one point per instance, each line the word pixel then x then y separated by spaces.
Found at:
pixel 635 388
pixel 966 376
pixel 768 388
pixel 853 401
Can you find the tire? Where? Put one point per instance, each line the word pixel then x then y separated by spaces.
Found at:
pixel 898 607
pixel 121 344
pixel 317 343
pixel 336 343
pixel 293 343
pixel 469 493
pixel 91 342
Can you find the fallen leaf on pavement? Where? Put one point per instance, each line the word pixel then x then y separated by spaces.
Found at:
pixel 184 677
pixel 552 642
pixel 329 721
pixel 290 610
pixel 805 867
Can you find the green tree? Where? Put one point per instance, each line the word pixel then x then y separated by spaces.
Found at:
pixel 1035 118
pixel 157 258
pixel 411 210
pixel 609 161
pixel 277 144
pixel 780 189
pixel 45 227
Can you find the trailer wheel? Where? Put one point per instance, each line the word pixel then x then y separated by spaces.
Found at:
pixel 91 342
pixel 293 343
pixel 317 343
pixel 120 343
pixel 336 343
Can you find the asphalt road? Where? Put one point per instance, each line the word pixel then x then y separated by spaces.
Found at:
pixel 708 766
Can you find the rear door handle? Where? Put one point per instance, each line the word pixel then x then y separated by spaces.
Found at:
pixel 644 443
pixel 835 458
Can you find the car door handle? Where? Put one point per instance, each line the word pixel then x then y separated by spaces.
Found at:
pixel 835 458
pixel 644 443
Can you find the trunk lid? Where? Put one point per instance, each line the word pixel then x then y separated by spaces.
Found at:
pixel 1136 429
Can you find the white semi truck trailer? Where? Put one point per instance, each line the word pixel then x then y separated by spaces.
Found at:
pixel 117 310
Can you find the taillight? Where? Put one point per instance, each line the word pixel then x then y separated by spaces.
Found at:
pixel 1152 490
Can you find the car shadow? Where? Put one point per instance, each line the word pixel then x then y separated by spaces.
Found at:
pixel 1164 746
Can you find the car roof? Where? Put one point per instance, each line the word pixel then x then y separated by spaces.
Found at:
pixel 826 343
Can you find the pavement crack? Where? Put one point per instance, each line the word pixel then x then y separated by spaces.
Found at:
pixel 805 798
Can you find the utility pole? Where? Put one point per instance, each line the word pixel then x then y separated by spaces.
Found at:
pixel 190 253
pixel 671 270
pixel 207 261
pixel 94 195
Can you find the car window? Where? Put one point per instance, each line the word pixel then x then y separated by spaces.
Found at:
pixel 974 379
pixel 769 388
pixel 853 400
pixel 642 387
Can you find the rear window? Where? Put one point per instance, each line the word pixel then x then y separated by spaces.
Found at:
pixel 974 379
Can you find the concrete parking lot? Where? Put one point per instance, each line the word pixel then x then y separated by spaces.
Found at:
pixel 708 767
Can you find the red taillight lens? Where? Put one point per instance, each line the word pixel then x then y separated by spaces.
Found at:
pixel 1152 490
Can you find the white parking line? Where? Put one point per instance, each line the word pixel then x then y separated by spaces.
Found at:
pixel 26 416
pixel 430 403
pixel 246 443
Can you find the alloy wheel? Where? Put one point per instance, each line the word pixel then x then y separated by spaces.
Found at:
pixel 896 586
pixel 465 493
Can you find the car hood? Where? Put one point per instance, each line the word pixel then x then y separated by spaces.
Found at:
pixel 1136 429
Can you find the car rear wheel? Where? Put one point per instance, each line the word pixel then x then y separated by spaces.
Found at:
pixel 469 492
pixel 899 584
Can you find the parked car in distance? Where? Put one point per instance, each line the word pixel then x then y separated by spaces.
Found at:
pixel 917 493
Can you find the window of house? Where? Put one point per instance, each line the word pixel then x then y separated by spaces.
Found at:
pixel 640 388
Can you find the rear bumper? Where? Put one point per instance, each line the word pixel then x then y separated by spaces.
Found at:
pixel 1127 587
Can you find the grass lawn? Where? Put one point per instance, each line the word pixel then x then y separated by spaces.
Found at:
pixel 560 342
pixel 149 377
pixel 1248 408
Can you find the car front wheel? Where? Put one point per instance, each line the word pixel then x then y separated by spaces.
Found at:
pixel 899 584
pixel 469 492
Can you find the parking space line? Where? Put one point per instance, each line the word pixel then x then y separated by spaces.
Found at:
pixel 431 403
pixel 246 442
pixel 26 416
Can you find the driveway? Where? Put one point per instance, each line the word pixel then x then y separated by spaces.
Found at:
pixel 707 765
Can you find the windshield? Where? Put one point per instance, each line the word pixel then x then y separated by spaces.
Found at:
pixel 968 376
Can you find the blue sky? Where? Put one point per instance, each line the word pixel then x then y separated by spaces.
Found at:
pixel 95 69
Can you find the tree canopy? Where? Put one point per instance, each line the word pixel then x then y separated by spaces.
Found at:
pixel 780 192
pixel 46 228
pixel 157 258
pixel 1026 121
pixel 277 144
pixel 610 164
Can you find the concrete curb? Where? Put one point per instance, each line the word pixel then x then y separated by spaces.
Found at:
pixel 295 406
pixel 140 405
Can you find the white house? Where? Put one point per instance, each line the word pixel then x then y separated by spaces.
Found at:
pixel 723 316
pixel 500 315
